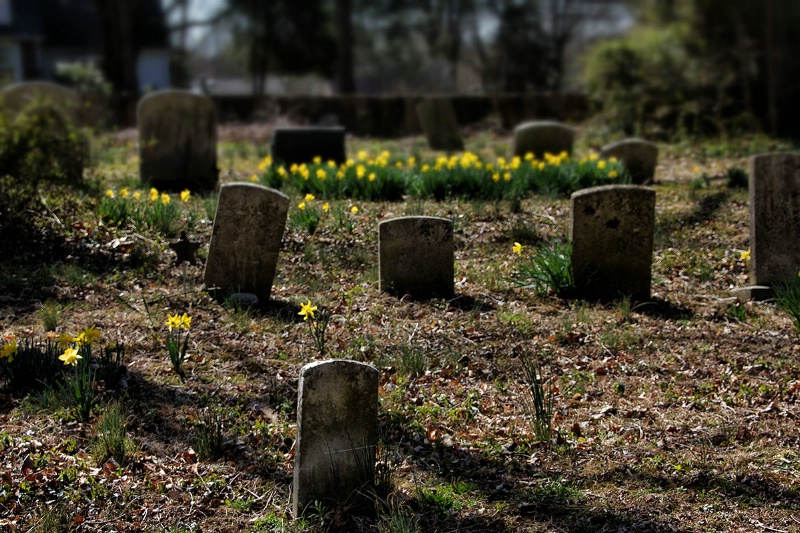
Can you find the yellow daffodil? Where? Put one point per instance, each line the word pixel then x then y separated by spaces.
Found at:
pixel 317 160
pixel 64 339
pixel 613 174
pixel 321 174
pixel 495 177
pixel 185 195
pixel 153 194
pixel 362 155
pixel 123 193
pixel 110 193
pixel 326 207
pixel 360 171
pixel 165 198
pixel 307 310
pixel 517 248
pixel 745 256
pixel 301 206
pixel 91 334
pixel 137 195
pixel 8 351
pixel 185 321
pixel 354 210
pixel 371 176
pixel 173 322
pixel 601 164
pixel 70 356
pixel 310 197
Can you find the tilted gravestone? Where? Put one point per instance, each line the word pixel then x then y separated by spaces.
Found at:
pixel 337 432
pixel 245 240
pixel 774 218
pixel 540 137
pixel 19 96
pixel 612 241
pixel 639 157
pixel 438 120
pixel 416 257
pixel 177 141
pixel 302 145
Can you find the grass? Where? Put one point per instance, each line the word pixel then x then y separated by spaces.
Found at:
pixel 663 415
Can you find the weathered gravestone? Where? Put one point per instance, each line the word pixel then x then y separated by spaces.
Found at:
pixel 245 240
pixel 416 257
pixel 302 145
pixel 438 120
pixel 638 156
pixel 612 241
pixel 541 137
pixel 774 218
pixel 337 432
pixel 177 141
pixel 19 96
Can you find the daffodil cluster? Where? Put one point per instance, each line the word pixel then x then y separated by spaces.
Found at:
pixel 317 324
pixel 153 209
pixel 177 340
pixel 464 175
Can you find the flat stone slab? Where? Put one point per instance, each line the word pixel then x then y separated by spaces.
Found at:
pixel 639 157
pixel 416 257
pixel 755 293
pixel 543 136
pixel 245 240
pixel 302 145
pixel 612 241
pixel 774 218
pixel 177 141
pixel 438 120
pixel 337 432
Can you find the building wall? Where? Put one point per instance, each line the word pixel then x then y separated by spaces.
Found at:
pixel 152 69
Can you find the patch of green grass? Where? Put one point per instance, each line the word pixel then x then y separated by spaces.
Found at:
pixel 548 270
pixel 111 437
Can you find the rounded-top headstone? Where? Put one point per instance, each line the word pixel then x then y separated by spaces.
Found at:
pixel 245 240
pixel 639 157
pixel 612 241
pixel 416 257
pixel 337 432
pixel 540 137
pixel 18 96
pixel 177 141
pixel 440 125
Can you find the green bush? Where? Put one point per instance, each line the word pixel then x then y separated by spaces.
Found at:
pixel 41 144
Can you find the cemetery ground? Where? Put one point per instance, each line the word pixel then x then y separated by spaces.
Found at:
pixel 679 414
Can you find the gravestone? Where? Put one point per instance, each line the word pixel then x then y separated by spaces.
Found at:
pixel 416 257
pixel 19 96
pixel 245 240
pixel 612 241
pixel 541 137
pixel 774 218
pixel 302 145
pixel 638 156
pixel 177 141
pixel 438 120
pixel 337 432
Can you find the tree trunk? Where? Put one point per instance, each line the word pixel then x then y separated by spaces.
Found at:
pixel 344 27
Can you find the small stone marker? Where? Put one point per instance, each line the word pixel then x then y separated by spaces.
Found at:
pixel 774 218
pixel 337 432
pixel 245 240
pixel 612 241
pixel 639 157
pixel 18 96
pixel 438 121
pixel 302 145
pixel 177 141
pixel 416 257
pixel 541 137
pixel 184 249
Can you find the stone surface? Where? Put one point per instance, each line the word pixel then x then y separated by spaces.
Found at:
pixel 543 136
pixel 337 432
pixel 639 157
pixel 416 257
pixel 612 241
pixel 302 145
pixel 177 141
pixel 242 300
pixel 245 240
pixel 774 218
pixel 18 96
pixel 438 121
pixel 756 293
